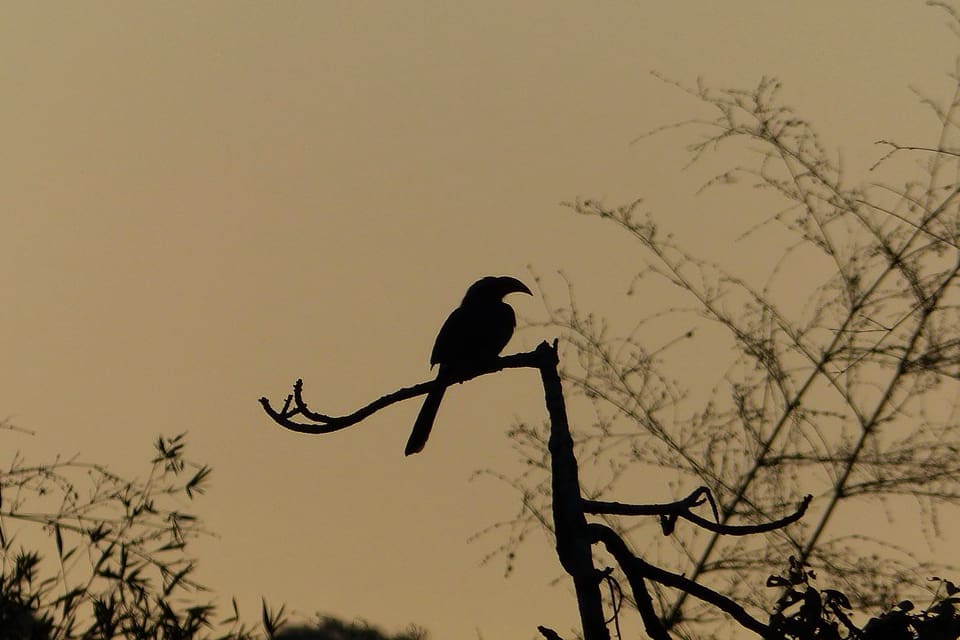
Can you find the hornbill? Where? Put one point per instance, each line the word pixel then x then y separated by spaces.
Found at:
pixel 472 336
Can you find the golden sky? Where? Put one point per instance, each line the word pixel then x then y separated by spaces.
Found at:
pixel 204 201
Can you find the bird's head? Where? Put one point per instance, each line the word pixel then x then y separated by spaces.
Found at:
pixel 494 288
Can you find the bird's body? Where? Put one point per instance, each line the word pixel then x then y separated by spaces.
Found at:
pixel 472 336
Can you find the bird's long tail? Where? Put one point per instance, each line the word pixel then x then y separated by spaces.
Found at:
pixel 424 423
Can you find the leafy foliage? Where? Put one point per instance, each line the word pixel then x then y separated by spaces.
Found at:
pixel 120 567
pixel 805 613
pixel 327 628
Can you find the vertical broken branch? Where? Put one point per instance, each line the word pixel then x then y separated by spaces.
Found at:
pixel 570 524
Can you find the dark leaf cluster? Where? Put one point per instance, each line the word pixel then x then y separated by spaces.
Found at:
pixel 803 612
pixel 118 564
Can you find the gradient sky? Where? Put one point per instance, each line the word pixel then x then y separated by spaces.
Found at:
pixel 204 201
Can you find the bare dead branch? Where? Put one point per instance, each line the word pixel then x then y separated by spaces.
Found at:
pixel 636 569
pixel 570 526
pixel 322 423
pixel 681 509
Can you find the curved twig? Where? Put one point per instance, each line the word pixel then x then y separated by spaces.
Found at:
pixel 294 405
pixel 681 509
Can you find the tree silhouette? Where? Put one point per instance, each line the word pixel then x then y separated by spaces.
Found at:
pixel 575 537
pixel 118 564
pixel 846 390
pixel 328 628
pixel 850 397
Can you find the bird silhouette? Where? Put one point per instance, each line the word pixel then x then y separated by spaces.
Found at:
pixel 472 336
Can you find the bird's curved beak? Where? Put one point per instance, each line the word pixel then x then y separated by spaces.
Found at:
pixel 512 285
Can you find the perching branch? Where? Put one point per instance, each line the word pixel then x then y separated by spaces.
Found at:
pixel 295 405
